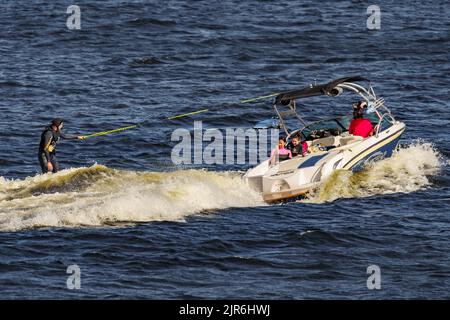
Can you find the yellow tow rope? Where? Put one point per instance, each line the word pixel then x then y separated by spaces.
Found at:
pixel 97 134
pixel 109 131
pixel 259 98
pixel 187 114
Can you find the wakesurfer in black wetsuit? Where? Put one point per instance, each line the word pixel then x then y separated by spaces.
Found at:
pixel 47 147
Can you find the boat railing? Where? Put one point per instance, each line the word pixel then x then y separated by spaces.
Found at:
pixel 380 122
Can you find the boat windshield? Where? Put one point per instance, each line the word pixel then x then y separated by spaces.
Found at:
pixel 336 126
pixel 326 128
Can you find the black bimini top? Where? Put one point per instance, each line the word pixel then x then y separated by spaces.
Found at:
pixel 321 89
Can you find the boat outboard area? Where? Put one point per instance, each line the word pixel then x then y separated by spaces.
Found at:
pixel 330 144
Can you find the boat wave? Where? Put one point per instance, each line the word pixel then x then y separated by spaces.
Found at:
pixel 98 196
pixel 409 169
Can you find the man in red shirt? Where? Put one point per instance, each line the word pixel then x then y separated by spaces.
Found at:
pixel 360 126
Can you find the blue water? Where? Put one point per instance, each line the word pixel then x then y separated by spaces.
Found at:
pixel 143 61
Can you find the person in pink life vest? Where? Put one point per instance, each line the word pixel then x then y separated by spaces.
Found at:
pixel 281 153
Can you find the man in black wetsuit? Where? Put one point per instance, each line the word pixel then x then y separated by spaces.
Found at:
pixel 47 147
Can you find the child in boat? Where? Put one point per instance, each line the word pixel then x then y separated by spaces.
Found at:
pixel 281 153
pixel 298 148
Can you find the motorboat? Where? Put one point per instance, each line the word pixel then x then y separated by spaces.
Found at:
pixel 330 145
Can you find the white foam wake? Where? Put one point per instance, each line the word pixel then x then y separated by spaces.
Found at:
pixel 98 195
pixel 408 170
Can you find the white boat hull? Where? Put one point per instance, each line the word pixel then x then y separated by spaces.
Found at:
pixel 297 176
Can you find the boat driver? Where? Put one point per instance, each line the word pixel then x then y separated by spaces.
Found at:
pixel 360 126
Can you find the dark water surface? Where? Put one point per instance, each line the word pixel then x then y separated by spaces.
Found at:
pixel 140 227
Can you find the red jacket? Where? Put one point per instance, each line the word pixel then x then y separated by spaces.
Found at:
pixel 360 127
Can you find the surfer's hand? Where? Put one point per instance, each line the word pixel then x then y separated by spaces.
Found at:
pixel 49 166
pixel 81 137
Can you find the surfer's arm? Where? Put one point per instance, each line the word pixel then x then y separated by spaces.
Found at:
pixel 70 137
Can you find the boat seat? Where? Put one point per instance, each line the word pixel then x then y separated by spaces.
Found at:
pixel 350 139
pixel 327 141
